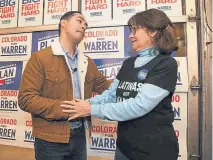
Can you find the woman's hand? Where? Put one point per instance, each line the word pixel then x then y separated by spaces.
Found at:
pixel 76 108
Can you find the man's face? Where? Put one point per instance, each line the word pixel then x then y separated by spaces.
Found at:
pixel 75 27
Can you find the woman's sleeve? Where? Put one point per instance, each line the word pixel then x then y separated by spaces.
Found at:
pixel 107 96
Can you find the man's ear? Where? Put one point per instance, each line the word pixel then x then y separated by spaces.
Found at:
pixel 63 23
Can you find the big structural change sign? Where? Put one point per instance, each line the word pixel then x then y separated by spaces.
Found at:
pixel 170 7
pixel 100 10
pixel 123 10
pixel 8 13
pixel 54 9
pixel 30 13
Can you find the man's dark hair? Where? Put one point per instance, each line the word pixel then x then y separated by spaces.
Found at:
pixel 66 16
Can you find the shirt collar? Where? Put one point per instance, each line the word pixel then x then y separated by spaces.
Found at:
pixel 148 52
pixel 68 55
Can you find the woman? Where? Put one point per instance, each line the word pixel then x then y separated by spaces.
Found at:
pixel 140 96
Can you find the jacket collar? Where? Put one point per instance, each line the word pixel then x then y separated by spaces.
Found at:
pixel 58 49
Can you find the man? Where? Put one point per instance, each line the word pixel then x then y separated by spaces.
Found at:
pixel 55 74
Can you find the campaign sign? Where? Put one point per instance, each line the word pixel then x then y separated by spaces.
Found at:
pixel 109 67
pixel 125 9
pixel 100 10
pixel 8 13
pixel 170 7
pixel 41 40
pixel 10 75
pixel 30 13
pixel 8 128
pixel 54 9
pixel 103 43
pixel 18 45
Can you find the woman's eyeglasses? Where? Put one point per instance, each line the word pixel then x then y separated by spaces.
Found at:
pixel 133 29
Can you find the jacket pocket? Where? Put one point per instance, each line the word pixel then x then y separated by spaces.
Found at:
pixel 54 78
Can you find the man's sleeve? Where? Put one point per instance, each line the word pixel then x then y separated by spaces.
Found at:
pixel 100 82
pixel 30 99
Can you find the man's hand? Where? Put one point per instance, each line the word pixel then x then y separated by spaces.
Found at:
pixel 76 108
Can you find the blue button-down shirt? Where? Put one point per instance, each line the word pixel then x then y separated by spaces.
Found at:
pixel 73 63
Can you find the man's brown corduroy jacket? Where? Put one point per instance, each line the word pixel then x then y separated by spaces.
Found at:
pixel 46 82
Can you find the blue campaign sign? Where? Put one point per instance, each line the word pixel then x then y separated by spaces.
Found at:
pixel 109 67
pixel 41 40
pixel 10 75
pixel 103 63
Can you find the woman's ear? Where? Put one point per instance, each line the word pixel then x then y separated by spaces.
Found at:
pixel 152 34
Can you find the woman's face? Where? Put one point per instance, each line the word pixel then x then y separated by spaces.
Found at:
pixel 140 38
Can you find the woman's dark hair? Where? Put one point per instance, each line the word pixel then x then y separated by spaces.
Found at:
pixel 155 20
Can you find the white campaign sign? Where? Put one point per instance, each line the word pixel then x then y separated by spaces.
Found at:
pixel 30 13
pixel 100 10
pixel 8 13
pixel 180 124
pixel 125 9
pixel 16 45
pixel 54 9
pixel 170 7
pixel 103 43
pixel 182 80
